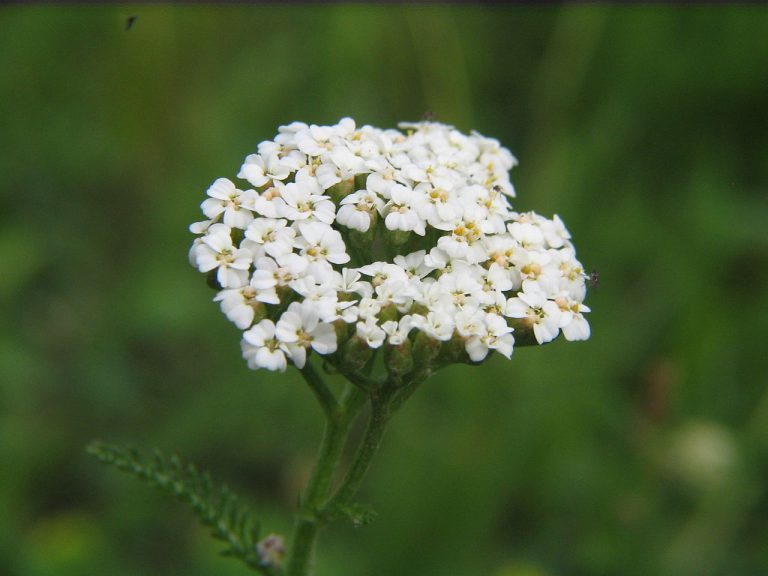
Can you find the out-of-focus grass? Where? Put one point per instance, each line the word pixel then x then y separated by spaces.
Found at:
pixel 641 451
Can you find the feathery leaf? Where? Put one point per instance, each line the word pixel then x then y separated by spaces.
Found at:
pixel 217 507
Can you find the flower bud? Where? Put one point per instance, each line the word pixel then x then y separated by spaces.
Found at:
pixel 259 311
pixel 339 191
pixel 398 237
pixel 524 335
pixel 453 351
pixel 355 354
pixel 387 313
pixel 399 359
pixel 425 350
pixel 271 550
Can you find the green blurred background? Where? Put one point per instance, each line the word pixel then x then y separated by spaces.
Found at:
pixel 641 451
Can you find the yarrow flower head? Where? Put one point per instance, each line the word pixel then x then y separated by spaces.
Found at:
pixel 342 240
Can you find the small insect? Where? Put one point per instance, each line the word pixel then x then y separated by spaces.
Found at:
pixel 129 22
pixel 593 279
pixel 429 116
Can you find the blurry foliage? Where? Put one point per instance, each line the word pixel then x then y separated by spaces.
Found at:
pixel 642 451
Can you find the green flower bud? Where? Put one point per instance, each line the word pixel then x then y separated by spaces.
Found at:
pixel 523 333
pixel 398 237
pixel 453 351
pixel 259 311
pixel 399 359
pixel 425 350
pixel 339 191
pixel 388 312
pixel 342 330
pixel 355 354
pixel 361 181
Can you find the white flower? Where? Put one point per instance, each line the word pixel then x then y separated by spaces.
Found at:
pixel 414 264
pixel 402 210
pixel 275 235
pixel 328 174
pixel 463 285
pixel 397 332
pixel 238 303
pixel 268 273
pixel 440 208
pixel 537 312
pixel 528 234
pixel 496 278
pixel 572 321
pixel 261 349
pixel 371 332
pixel 494 335
pixel 270 164
pixel 464 242
pixel 381 181
pixel 269 203
pixel 315 140
pixel 254 170
pixel 216 251
pixel 350 282
pixel 435 324
pixel 321 242
pixel 300 328
pixel 555 233
pixel 470 322
pixel 322 296
pixel 236 205
pixel 303 200
pixel 438 251
pixel 356 210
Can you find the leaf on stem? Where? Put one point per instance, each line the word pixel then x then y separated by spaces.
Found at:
pixel 358 514
pixel 216 506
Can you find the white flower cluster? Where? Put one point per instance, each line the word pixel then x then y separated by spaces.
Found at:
pixel 365 237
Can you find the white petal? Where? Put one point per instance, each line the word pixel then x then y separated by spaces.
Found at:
pixel 324 339
pixel 222 189
pixel 271 359
pixel 476 349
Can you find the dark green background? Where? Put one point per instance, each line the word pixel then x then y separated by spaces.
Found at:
pixel 641 451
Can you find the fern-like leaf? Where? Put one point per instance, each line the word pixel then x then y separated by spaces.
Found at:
pixel 217 507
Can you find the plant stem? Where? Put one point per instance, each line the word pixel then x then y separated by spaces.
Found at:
pixel 380 415
pixel 317 507
pixel 338 421
pixel 319 389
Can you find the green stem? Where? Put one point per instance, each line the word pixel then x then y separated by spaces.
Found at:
pixel 317 507
pixel 380 415
pixel 319 389
pixel 337 426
